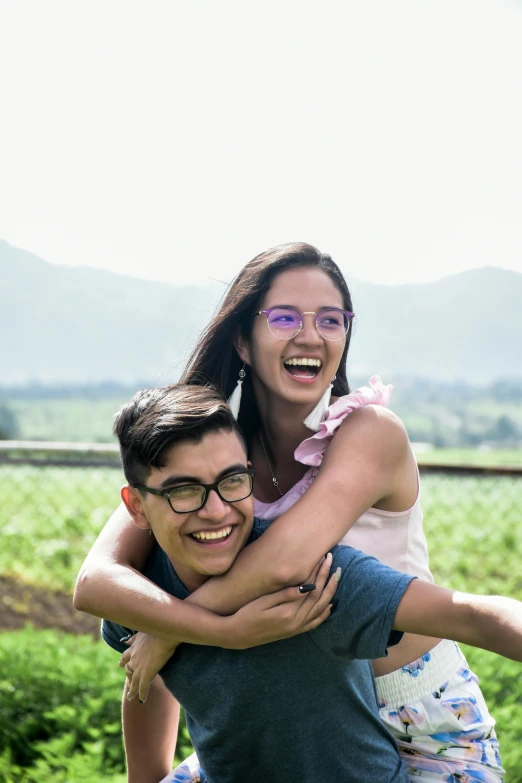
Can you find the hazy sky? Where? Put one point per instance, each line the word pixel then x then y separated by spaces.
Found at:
pixel 176 140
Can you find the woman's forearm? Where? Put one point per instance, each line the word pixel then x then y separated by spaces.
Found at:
pixel 110 585
pixel 497 624
pixel 492 622
pixel 120 543
pixel 137 603
pixel 360 467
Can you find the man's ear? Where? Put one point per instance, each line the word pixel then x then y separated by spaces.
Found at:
pixel 242 348
pixel 134 504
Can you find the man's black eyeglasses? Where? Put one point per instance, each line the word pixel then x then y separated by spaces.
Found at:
pixel 186 498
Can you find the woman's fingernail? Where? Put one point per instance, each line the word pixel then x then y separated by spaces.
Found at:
pixel 306 588
pixel 129 697
pixel 142 702
pixel 337 575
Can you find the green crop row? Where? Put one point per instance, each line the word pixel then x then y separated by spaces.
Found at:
pixel 49 517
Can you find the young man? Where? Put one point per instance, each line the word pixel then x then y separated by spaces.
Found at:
pixel 301 709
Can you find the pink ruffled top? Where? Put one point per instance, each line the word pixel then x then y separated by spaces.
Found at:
pixel 396 538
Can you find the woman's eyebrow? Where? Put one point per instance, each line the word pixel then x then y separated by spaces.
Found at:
pixel 295 307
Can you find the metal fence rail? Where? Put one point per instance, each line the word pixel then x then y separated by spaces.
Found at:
pixel 107 455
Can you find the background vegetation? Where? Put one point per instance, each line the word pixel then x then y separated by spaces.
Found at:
pixel 446 415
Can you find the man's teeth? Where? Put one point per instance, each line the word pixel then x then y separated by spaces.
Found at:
pixel 304 362
pixel 204 536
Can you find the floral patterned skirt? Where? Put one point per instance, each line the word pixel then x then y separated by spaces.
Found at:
pixel 436 711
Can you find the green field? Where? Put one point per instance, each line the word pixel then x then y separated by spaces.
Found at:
pixel 78 419
pixel 478 456
pixel 446 415
pixel 50 516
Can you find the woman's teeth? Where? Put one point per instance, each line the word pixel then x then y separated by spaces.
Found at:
pixel 303 362
pixel 205 536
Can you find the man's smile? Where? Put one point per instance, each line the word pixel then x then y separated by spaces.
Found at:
pixel 209 537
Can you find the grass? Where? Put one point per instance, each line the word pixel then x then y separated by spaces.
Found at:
pixel 60 709
pixel 78 419
pixel 86 415
pixel 50 516
pixel 478 456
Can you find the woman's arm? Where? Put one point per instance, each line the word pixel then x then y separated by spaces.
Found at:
pixel 368 461
pixel 110 585
pixel 491 622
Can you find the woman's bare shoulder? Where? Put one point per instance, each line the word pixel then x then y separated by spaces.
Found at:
pixel 375 422
pixel 372 441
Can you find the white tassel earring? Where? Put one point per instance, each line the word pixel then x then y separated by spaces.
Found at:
pixel 316 416
pixel 234 401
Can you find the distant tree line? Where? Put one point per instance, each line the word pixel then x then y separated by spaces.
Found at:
pixel 98 391
pixel 8 423
pixel 444 414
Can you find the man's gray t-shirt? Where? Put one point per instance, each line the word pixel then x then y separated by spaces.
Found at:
pixel 301 710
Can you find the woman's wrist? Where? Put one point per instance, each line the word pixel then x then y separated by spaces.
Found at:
pixel 224 632
pixel 208 628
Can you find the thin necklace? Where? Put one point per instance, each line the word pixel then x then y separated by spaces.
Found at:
pixel 275 482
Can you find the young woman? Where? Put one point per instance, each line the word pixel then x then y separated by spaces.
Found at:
pixel 283 333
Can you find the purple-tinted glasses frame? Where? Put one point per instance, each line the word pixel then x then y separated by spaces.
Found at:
pixel 268 310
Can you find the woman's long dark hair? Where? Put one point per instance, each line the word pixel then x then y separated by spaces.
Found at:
pixel 215 360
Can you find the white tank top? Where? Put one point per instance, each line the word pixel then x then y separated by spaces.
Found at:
pixel 396 538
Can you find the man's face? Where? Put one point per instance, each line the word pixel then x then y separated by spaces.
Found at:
pixel 196 558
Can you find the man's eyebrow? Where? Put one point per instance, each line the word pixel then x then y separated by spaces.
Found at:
pixel 237 468
pixel 171 481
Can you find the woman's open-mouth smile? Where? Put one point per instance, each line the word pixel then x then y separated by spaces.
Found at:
pixel 303 369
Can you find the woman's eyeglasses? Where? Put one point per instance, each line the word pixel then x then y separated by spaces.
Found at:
pixel 286 322
pixel 191 497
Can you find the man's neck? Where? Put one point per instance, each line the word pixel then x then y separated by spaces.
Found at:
pixel 190 578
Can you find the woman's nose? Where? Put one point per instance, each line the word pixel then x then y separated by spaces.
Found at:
pixel 309 334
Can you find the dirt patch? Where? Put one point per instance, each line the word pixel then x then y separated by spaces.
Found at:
pixel 22 603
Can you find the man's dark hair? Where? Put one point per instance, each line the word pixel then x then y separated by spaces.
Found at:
pixel 155 419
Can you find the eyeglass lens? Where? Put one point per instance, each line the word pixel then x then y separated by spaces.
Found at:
pixel 285 323
pixel 192 497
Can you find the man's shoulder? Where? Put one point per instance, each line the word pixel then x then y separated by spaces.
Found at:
pixel 343 555
pixel 357 565
pixel 258 528
pixel 160 570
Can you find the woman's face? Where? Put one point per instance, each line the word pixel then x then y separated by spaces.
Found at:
pixel 308 289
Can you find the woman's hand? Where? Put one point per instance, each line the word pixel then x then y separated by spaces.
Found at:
pixel 267 619
pixel 285 613
pixel 143 660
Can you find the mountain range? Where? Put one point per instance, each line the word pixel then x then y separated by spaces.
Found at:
pixel 79 325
